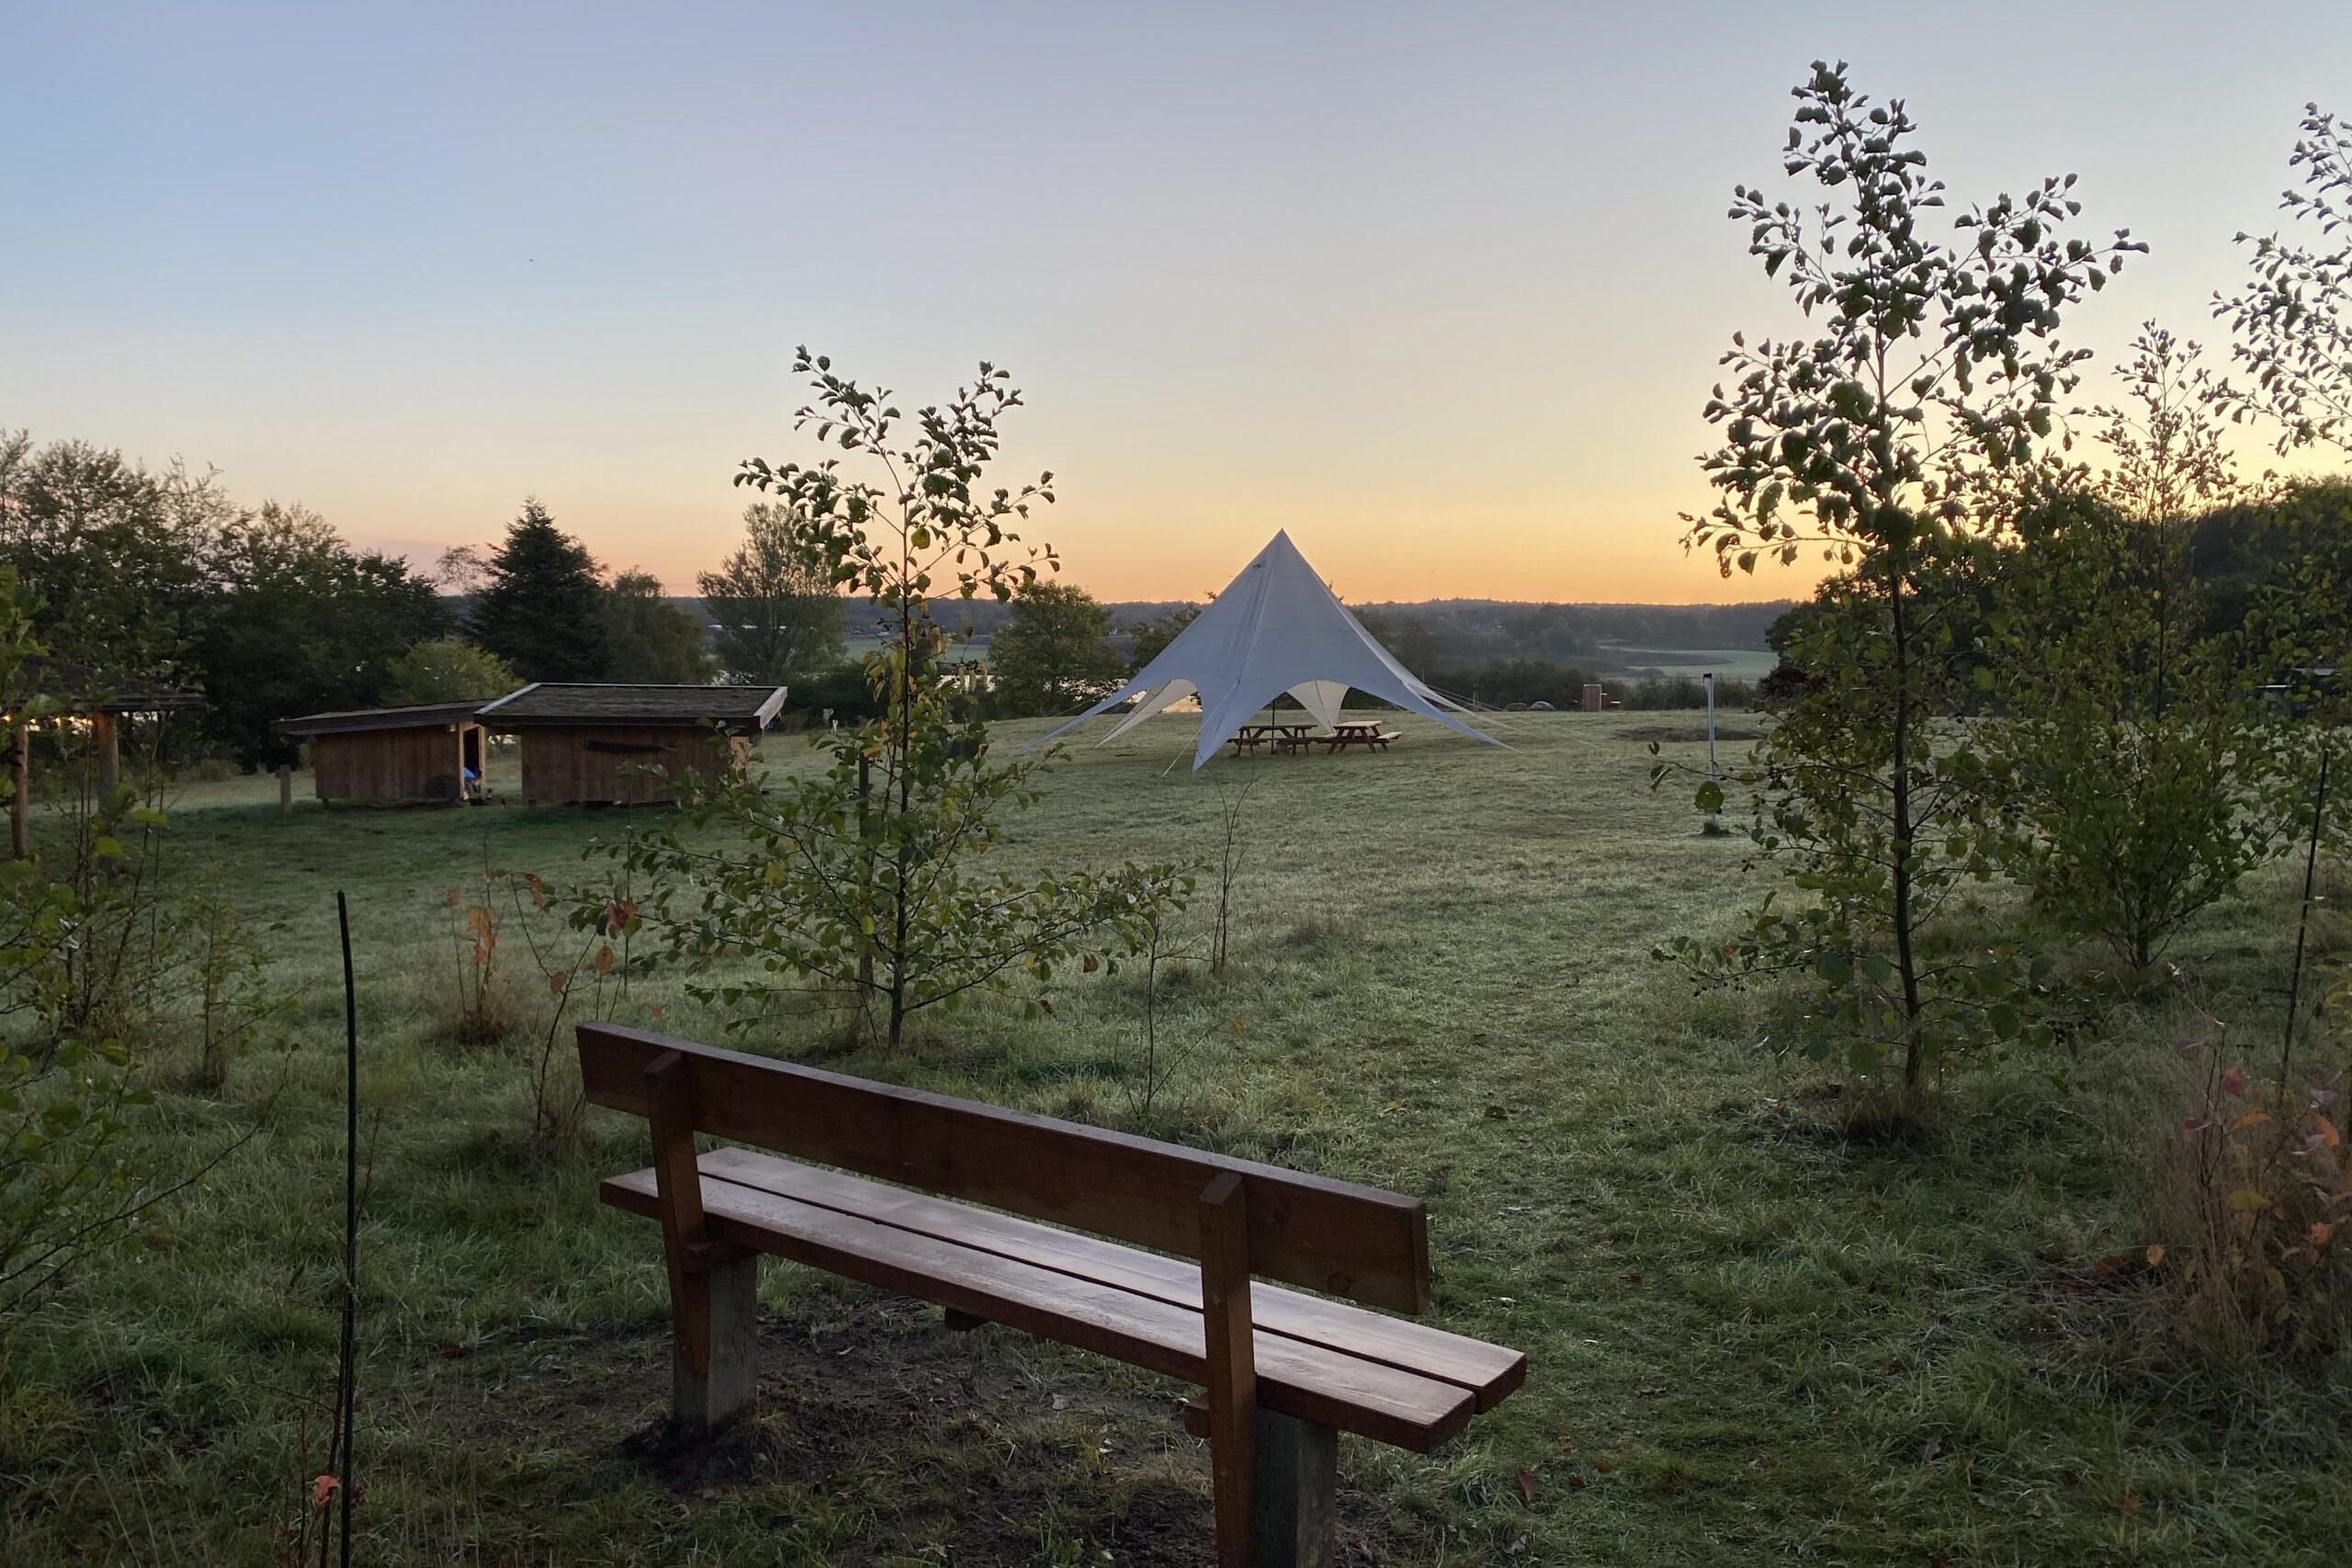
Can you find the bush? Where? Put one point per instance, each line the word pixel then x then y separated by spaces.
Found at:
pixel 1682 692
pixel 1499 683
pixel 844 691
pixel 2253 1192
pixel 448 669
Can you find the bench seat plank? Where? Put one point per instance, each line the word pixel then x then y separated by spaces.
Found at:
pixel 1308 1382
pixel 1490 1372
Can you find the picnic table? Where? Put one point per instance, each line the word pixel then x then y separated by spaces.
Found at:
pixel 1290 740
pixel 1366 733
pixel 1279 737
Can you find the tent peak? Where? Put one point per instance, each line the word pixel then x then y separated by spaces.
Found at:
pixel 1271 632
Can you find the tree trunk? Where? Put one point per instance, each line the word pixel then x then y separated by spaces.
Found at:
pixel 1907 964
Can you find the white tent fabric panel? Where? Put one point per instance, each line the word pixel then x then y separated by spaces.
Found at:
pixel 1322 700
pixel 1275 628
pixel 1167 695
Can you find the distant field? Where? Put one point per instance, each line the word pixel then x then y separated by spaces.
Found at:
pixel 1752 1341
pixel 1731 664
pixel 957 653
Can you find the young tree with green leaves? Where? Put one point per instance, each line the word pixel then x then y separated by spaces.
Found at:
pixel 1054 654
pixel 650 641
pixel 2131 741
pixel 2292 317
pixel 859 880
pixel 542 605
pixel 1891 435
pixel 781 621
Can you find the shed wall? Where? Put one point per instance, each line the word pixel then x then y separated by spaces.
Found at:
pixel 390 764
pixel 565 766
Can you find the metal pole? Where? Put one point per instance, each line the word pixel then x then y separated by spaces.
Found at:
pixel 1710 677
pixel 350 1390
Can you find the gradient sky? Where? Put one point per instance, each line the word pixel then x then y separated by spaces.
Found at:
pixel 1440 288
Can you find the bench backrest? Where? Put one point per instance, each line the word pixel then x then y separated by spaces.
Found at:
pixel 1334 1237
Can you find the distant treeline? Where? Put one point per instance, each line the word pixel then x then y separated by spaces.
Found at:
pixel 1503 683
pixel 1440 631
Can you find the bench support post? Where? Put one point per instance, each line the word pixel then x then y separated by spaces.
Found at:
pixel 709 1398
pixel 1232 1368
pixel 714 1291
pixel 1297 1474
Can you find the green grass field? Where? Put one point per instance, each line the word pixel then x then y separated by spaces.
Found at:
pixel 1729 663
pixel 1753 1338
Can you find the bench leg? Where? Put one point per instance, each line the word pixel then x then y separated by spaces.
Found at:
pixel 732 1309
pixel 1298 1473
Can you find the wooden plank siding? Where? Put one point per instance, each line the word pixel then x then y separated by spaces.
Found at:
pixel 391 765
pixel 598 764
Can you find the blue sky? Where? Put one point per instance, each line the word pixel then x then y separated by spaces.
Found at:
pixel 1441 289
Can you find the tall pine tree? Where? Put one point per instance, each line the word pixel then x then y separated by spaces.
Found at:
pixel 542 609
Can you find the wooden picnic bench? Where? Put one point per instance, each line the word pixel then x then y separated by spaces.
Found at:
pixel 1279 737
pixel 1367 733
pixel 1148 1255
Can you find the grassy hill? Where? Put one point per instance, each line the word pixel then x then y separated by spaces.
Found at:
pixel 1758 1332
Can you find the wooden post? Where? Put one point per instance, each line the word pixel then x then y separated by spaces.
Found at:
pixel 714 1291
pixel 1297 1477
pixel 286 789
pixel 1299 1483
pixel 20 792
pixel 108 741
pixel 1232 1367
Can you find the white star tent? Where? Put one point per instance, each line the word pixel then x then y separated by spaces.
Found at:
pixel 1275 628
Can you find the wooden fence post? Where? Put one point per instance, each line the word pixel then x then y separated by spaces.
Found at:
pixel 21 777
pixel 108 739
pixel 286 789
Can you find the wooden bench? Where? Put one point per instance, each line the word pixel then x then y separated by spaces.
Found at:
pixel 941 1198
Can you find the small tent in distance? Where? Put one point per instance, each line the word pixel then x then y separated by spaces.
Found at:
pixel 1275 629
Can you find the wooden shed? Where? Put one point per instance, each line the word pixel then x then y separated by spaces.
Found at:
pixel 590 745
pixel 386 756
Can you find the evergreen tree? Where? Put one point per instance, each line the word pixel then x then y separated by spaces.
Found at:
pixel 542 609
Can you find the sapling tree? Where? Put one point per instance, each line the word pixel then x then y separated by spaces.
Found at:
pixel 2292 323
pixel 2131 738
pixel 859 879
pixel 1893 436
pixel 2292 319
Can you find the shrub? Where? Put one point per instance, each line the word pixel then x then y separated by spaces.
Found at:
pixel 2252 1197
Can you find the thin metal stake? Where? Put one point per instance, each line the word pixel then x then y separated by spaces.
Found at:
pixel 2302 930
pixel 350 1210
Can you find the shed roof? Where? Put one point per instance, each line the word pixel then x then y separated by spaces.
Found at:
pixel 422 715
pixel 81 691
pixel 584 706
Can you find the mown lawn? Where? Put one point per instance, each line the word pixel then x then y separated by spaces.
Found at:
pixel 1754 1337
